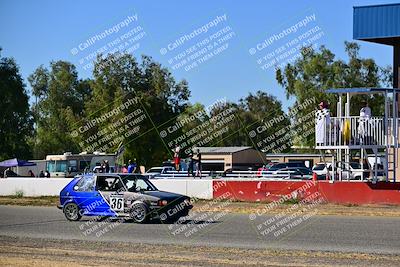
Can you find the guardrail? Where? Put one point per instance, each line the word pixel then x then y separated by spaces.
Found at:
pixel 361 131
pixel 262 175
pixel 233 174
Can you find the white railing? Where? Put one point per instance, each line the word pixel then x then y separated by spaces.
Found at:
pixel 285 175
pixel 354 131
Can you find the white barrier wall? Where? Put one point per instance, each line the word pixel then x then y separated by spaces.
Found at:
pixel 33 187
pixel 52 186
pixel 193 188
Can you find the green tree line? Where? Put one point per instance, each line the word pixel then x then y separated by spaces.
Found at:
pixel 138 103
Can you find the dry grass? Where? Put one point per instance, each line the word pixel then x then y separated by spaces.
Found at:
pixel 323 209
pixel 45 252
pixel 30 201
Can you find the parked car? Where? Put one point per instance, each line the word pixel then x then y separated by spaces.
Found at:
pixel 231 172
pixel 294 173
pixel 294 164
pixel 183 165
pixel 354 172
pixel 156 171
pixel 131 196
pixel 272 167
pixel 357 171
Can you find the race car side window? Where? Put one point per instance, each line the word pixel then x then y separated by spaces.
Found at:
pixel 103 183
pixel 85 184
pixel 109 183
pixel 117 185
pixel 142 185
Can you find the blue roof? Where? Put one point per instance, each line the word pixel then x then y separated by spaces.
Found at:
pixel 377 23
pixel 362 90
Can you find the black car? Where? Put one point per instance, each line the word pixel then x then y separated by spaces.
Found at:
pixel 294 164
pixel 294 173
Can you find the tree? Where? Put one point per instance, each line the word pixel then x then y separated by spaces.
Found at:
pixel 59 104
pixel 258 113
pixel 146 89
pixel 192 116
pixel 16 123
pixel 316 71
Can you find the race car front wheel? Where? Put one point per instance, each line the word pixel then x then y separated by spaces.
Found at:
pixel 71 212
pixel 139 213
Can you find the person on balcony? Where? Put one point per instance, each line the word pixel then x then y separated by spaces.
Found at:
pixel 322 121
pixel 365 116
pixel 365 111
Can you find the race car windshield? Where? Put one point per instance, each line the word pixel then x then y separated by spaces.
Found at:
pixel 135 184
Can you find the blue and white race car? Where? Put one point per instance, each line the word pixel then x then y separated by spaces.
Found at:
pixel 121 195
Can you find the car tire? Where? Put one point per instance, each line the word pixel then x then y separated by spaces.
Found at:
pixel 72 212
pixel 139 213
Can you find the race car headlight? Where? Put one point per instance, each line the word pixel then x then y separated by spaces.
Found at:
pixel 162 203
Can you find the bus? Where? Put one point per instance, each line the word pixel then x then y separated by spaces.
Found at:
pixel 68 164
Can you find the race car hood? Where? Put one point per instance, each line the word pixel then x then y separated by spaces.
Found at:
pixel 164 195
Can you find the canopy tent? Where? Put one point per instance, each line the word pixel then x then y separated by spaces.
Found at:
pixel 16 163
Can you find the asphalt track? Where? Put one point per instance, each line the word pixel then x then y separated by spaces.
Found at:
pixel 319 233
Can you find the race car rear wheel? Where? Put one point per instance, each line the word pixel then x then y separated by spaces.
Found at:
pixel 71 212
pixel 139 213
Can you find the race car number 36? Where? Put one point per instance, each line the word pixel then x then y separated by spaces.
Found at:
pixel 117 202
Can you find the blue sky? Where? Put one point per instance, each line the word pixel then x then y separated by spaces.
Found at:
pixel 37 32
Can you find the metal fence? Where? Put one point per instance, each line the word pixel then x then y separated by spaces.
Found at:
pixel 355 130
pixel 233 175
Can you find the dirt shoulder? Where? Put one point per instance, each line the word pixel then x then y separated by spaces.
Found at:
pixel 49 252
pixel 30 201
pixel 237 207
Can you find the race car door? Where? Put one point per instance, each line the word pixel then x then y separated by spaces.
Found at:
pixel 87 198
pixel 112 190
